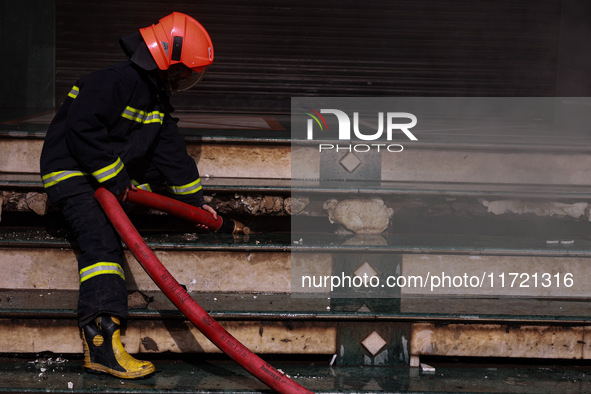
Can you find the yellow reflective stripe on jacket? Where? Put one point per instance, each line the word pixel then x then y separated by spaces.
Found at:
pixel 108 172
pixel 74 92
pixel 54 177
pixel 130 113
pixel 101 268
pixel 189 188
pixel 143 117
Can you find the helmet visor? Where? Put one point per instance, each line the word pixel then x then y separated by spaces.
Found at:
pixel 181 77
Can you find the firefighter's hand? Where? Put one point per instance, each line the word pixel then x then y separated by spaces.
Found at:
pixel 209 209
pixel 122 197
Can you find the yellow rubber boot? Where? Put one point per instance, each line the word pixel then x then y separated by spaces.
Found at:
pixel 103 351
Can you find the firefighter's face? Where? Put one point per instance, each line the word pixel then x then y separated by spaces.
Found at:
pixel 181 77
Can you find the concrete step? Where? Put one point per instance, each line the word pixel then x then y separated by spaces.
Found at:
pixel 384 207
pixel 224 146
pixel 260 146
pixel 33 321
pixel 290 313
pixel 249 166
pixel 313 263
pixel 32 182
pixel 514 290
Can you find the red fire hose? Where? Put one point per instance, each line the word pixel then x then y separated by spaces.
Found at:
pixel 185 211
pixel 187 305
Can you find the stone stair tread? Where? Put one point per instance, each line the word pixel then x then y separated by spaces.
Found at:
pixel 435 188
pixel 275 128
pixel 193 135
pixel 212 185
pixel 304 188
pixel 452 162
pixel 39 304
pixel 325 242
pixel 278 132
pixel 190 374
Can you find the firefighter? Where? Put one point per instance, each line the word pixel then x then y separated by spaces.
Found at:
pixel 114 130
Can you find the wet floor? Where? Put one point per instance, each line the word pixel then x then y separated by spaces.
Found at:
pixel 184 374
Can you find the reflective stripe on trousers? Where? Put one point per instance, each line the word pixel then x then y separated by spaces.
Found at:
pixel 102 268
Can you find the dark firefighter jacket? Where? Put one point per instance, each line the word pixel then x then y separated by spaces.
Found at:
pixel 113 127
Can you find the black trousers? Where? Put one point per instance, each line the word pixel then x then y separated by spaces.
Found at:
pixel 100 262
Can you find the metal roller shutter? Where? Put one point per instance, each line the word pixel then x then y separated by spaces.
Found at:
pixel 268 51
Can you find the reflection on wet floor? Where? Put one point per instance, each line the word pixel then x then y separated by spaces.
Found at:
pixel 194 373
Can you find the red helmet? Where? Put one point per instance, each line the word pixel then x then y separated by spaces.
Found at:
pixel 178 38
